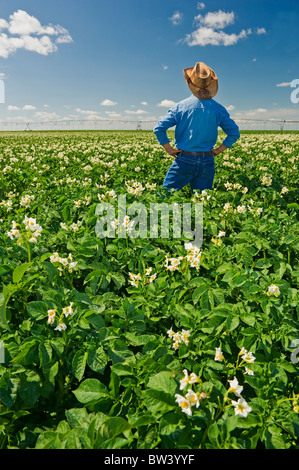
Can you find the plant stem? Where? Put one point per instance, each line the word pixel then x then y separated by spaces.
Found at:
pixel 28 251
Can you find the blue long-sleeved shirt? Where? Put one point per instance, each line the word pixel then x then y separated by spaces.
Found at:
pixel 197 123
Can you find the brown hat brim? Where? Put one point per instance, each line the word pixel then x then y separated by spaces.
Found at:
pixel 201 93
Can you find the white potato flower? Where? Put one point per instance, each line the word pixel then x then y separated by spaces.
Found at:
pixel 241 407
pixel 235 387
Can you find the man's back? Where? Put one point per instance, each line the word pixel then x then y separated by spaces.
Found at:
pixel 197 123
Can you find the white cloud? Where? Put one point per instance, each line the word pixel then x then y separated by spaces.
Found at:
pixel 64 36
pixel 19 118
pixel 166 103
pixel 176 18
pixel 231 107
pixel 251 112
pixel 28 107
pixel 3 24
pixel 164 67
pixel 253 60
pixel 45 116
pixel 138 111
pixel 209 30
pixel 43 45
pixel 268 114
pixel 12 108
pixel 284 84
pixel 86 111
pixel 26 32
pixel 108 103
pixel 144 103
pixel 200 6
pixel 21 23
pixel 113 114
pixel 204 36
pixel 261 31
pixel 93 117
pixel 216 20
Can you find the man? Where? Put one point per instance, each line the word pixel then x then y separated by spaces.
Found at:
pixel 197 119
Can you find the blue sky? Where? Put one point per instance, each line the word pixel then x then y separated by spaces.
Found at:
pixel 124 59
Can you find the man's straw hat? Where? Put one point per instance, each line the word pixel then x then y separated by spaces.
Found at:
pixel 202 81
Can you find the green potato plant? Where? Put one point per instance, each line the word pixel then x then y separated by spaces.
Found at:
pixel 142 342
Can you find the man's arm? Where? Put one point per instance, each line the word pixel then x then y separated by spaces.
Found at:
pixel 231 129
pixel 160 132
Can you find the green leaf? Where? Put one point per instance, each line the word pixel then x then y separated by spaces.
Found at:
pixel 77 417
pixel 51 270
pixel 137 339
pixel 8 389
pixel 118 278
pixel 249 319
pixel 198 293
pixel 48 440
pixel 207 300
pixel 164 382
pixel 53 371
pixel 122 369
pixel 158 402
pixel 45 353
pixel 238 281
pixel 219 296
pixel 3 319
pixel 28 352
pixel 79 364
pixel 250 421
pixel 4 298
pixel 19 272
pixel 275 439
pixel 29 388
pixel 4 269
pixel 111 428
pixel 90 390
pixel 196 281
pixel 232 322
pixel 97 359
pixel 95 319
pixel 213 433
pixel 119 352
pixel 141 420
pixel 58 345
pixel 44 256
pixel 224 268
pixel 114 443
pixel 169 423
pixel 114 384
pixel 37 309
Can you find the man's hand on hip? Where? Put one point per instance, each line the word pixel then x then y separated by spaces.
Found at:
pixel 170 150
pixel 219 149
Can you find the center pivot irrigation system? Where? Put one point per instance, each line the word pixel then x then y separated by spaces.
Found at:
pixel 122 124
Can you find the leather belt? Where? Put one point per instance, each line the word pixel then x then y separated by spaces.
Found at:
pixel 198 154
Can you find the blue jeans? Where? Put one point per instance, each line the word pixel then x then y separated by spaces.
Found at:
pixel 198 171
